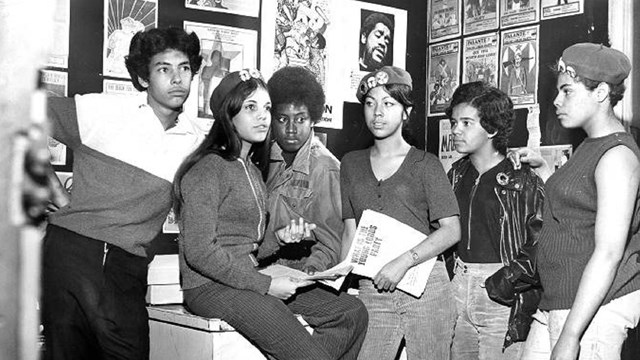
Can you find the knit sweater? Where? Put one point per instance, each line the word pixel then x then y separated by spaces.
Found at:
pixel 222 223
pixel 123 166
pixel 567 240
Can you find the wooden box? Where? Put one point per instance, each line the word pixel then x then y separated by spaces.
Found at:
pixel 177 334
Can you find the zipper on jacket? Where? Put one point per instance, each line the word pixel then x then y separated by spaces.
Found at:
pixel 473 194
pixel 104 254
pixel 255 196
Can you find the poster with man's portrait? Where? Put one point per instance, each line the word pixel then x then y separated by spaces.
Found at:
pixel 376 40
pixel 519 64
pixel 380 39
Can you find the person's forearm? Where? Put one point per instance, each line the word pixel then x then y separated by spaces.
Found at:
pixel 438 241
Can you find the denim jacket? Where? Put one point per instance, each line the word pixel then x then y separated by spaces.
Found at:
pixel 521 196
pixel 309 188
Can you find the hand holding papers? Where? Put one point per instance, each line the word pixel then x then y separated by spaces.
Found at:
pixel 334 273
pixel 378 240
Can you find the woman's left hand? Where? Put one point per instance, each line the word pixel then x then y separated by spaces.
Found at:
pixel 566 349
pixel 391 274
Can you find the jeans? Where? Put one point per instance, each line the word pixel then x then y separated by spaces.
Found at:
pixel 603 338
pixel 481 323
pixel 93 303
pixel 426 323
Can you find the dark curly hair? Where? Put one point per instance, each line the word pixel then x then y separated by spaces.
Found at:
pixel 370 22
pixel 146 44
pixel 616 91
pixel 495 110
pixel 298 86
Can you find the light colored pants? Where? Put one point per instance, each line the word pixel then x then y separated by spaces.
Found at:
pixel 426 323
pixel 603 338
pixel 481 323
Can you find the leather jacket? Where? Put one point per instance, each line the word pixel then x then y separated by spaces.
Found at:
pixel 521 196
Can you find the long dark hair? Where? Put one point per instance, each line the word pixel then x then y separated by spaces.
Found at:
pixel 223 139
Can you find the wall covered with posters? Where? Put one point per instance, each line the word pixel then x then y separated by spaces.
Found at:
pixel 513 45
pixel 91 38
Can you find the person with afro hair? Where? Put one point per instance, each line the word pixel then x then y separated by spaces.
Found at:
pixel 304 177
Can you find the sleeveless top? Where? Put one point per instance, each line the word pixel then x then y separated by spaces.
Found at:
pixel 567 239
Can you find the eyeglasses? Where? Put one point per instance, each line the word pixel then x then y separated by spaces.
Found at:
pixel 565 69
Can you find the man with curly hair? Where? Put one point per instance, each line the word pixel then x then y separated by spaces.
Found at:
pixel 376 41
pixel 126 151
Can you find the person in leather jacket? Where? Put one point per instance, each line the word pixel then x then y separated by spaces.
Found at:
pixel 497 287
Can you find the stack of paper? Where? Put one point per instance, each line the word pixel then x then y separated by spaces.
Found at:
pixel 380 239
pixel 164 280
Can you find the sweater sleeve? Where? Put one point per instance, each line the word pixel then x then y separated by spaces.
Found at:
pixel 203 191
pixel 64 121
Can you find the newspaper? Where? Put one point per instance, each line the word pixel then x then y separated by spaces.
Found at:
pixel 378 240
pixel 338 271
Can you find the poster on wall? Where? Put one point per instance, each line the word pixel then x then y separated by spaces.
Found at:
pixel 224 50
pixel 381 38
pixel 480 59
pixel 239 7
pixel 480 16
pixel 518 12
pixel 447 151
pixel 444 71
pixel 302 34
pixel 519 64
pixel 55 83
pixel 121 87
pixel 324 37
pixel 124 18
pixel 59 49
pixel 444 19
pixel 558 8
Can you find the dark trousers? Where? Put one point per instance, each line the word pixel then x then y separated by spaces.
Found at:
pixel 339 320
pixel 93 304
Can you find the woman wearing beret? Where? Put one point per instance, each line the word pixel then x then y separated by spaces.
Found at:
pixel 589 246
pixel 220 198
pixel 410 185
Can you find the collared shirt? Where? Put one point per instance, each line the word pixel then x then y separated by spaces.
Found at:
pixel 309 188
pixel 142 140
pixel 123 167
